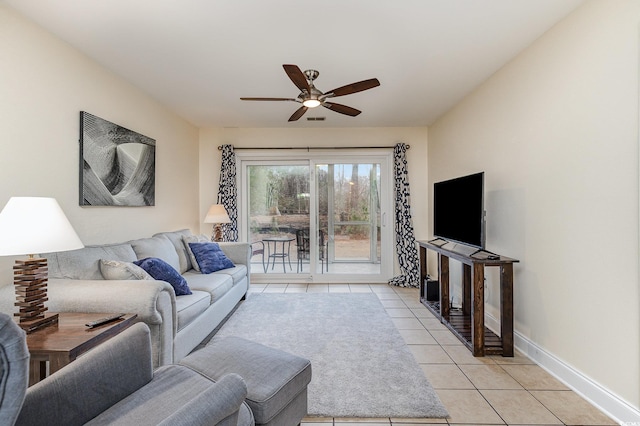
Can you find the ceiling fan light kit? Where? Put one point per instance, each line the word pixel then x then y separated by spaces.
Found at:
pixel 310 97
pixel 311 103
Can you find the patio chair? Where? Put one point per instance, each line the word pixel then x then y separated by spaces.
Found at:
pixel 257 247
pixel 302 243
pixel 323 247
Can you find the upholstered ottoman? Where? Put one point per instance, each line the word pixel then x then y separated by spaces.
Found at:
pixel 276 380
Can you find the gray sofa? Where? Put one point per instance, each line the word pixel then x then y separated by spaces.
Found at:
pixel 178 324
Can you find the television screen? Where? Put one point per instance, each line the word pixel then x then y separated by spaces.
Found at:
pixel 458 210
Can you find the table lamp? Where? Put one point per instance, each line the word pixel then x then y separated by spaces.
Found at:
pixel 28 226
pixel 217 215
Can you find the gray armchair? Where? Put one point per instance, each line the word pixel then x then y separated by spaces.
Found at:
pixel 115 384
pixel 14 369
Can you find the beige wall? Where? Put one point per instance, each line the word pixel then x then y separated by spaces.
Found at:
pixel 317 137
pixel 44 84
pixel 556 132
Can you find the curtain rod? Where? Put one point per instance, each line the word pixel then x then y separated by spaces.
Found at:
pixel 308 148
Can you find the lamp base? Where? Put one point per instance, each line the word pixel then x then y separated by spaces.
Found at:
pixel 217 233
pixel 30 280
pixel 38 323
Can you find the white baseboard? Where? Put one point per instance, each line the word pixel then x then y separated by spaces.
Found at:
pixel 609 403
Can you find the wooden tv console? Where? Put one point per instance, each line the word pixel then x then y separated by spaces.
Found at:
pixel 468 324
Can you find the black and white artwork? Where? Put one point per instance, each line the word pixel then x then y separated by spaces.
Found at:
pixel 117 165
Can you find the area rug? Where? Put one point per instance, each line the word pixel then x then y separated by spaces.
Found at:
pixel 361 366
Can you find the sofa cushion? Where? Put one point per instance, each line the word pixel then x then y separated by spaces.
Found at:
pixel 183 255
pixel 162 271
pixel 190 306
pixel 245 415
pixel 217 285
pixel 117 270
pixel 237 273
pixel 186 240
pixel 210 257
pixel 84 263
pixel 159 247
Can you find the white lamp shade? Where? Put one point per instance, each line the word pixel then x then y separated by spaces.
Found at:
pixel 217 214
pixel 34 225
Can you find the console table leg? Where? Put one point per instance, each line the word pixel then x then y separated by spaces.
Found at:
pixel 466 289
pixel 443 275
pixel 506 308
pixel 477 310
pixel 423 272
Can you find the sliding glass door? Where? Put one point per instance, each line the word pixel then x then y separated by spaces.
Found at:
pixel 317 218
pixel 278 212
pixel 349 214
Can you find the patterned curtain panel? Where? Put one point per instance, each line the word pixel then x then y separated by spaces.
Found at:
pixel 228 192
pixel 405 240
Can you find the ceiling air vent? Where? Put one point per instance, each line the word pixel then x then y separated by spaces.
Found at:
pixel 316 118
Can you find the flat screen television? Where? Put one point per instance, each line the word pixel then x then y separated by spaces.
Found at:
pixel 458 210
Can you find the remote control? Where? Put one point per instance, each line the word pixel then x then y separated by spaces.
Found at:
pixel 100 321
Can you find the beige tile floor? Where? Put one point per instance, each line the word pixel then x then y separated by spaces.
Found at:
pixel 476 391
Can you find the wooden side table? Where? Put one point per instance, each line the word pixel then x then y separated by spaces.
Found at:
pixel 61 344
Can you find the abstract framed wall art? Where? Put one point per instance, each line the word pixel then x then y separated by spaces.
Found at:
pixel 117 165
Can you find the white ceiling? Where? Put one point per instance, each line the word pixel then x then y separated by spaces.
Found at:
pixel 198 57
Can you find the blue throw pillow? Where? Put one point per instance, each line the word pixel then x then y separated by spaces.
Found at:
pixel 161 270
pixel 210 257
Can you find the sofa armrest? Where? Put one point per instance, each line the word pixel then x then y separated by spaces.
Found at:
pixel 143 298
pixel 218 405
pixel 238 253
pixel 153 301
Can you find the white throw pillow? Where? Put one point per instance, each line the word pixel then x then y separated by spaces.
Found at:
pixel 118 270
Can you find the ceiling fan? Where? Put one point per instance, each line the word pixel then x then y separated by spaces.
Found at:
pixel 310 97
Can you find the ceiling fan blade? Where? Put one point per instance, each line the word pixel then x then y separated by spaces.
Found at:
pixel 353 88
pixel 342 109
pixel 268 99
pixel 299 113
pixel 297 77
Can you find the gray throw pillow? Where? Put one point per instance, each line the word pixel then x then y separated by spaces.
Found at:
pixel 117 270
pixel 187 239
